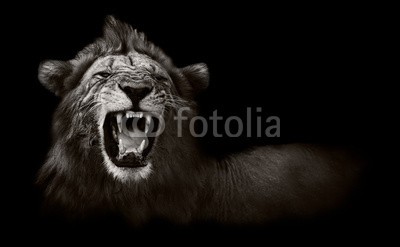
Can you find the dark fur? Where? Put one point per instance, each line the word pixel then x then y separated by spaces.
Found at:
pixel 187 184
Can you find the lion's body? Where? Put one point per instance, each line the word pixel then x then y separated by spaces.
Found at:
pixel 182 182
pixel 280 181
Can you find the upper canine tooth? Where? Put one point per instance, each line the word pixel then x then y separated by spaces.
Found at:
pixel 140 114
pixel 148 120
pixel 119 122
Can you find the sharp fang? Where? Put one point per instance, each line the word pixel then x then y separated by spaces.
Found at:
pixel 148 120
pixel 140 114
pixel 122 149
pixel 141 147
pixel 119 122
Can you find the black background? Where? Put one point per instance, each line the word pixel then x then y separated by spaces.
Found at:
pixel 322 69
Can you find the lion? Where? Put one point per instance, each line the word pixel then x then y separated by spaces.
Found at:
pixel 95 166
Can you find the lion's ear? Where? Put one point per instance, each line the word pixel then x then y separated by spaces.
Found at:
pixel 52 75
pixel 197 75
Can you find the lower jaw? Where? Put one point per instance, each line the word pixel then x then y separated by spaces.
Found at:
pixel 130 161
pixel 128 174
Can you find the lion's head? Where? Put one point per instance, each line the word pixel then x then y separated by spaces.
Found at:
pixel 113 125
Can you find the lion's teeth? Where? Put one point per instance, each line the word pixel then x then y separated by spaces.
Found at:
pixel 141 147
pixel 119 122
pixel 148 121
pixel 122 149
pixel 131 114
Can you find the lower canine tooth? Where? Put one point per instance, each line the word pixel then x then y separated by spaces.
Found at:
pixel 141 147
pixel 122 149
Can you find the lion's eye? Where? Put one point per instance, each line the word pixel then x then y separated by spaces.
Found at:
pixel 103 74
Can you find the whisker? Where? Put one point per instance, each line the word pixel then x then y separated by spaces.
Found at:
pixel 91 109
pixel 176 101
pixel 87 104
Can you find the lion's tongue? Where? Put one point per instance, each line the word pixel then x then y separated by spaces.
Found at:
pixel 129 144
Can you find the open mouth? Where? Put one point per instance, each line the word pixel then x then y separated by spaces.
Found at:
pixel 128 138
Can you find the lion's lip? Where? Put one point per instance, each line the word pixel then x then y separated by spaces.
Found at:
pixel 126 137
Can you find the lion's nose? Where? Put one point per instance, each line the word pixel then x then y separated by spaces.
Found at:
pixel 137 93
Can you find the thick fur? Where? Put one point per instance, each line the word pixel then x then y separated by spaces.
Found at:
pixel 186 183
